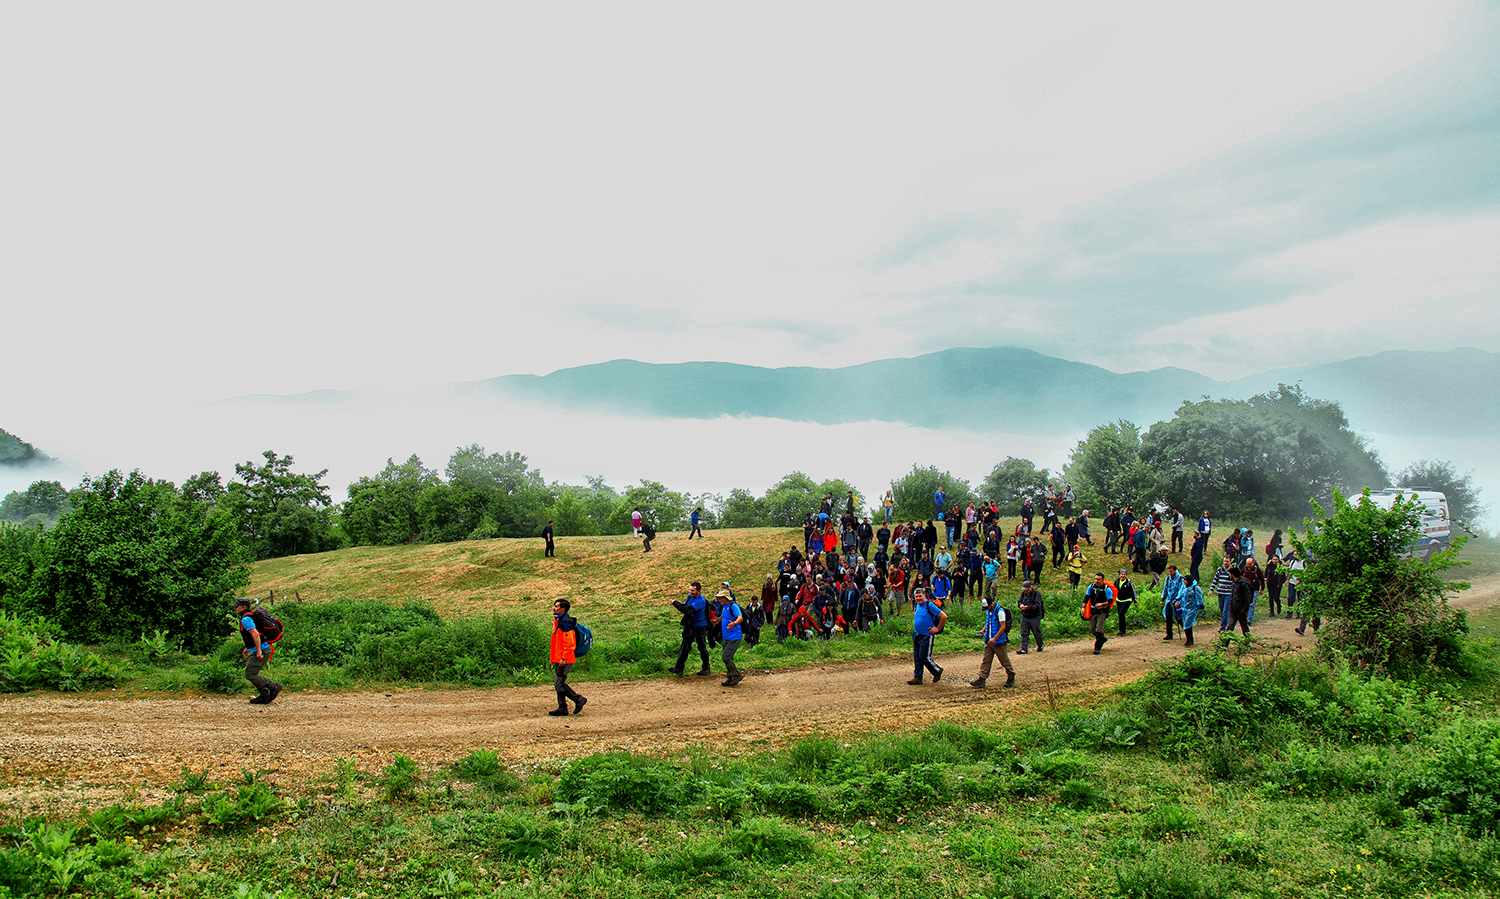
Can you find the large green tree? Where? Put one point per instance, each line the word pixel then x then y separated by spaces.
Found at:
pixel 382 510
pixel 1106 469
pixel 1259 459
pixel 913 492
pixel 133 557
pixel 1464 505
pixel 281 512
pixel 1384 610
pixel 666 510
pixel 1011 482
pixel 509 497
pixel 43 501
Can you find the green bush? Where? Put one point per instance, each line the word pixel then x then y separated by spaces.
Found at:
pixel 770 841
pixel 246 804
pixel 1458 779
pixel 400 778
pixel 30 659
pixel 219 676
pixel 621 781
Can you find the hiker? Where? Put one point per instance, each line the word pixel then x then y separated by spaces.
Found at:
pixel 694 628
pixel 1032 612
pixel 262 644
pixel 996 635
pixel 731 617
pixel 927 620
pixel 550 551
pixel 564 645
pixel 1098 599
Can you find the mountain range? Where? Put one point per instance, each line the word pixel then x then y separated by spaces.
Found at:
pixel 1439 393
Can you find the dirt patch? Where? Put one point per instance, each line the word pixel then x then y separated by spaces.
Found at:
pixel 59 751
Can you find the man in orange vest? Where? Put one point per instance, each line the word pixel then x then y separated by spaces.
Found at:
pixel 564 642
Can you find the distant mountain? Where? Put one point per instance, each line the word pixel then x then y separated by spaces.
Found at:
pixel 975 389
pixel 1455 393
pixel 18 453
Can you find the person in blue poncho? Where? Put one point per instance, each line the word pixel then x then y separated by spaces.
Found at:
pixel 1192 606
pixel 1171 596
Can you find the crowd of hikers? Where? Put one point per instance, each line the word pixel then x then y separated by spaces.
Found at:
pixel 851 574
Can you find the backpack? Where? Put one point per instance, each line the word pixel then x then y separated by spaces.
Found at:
pixel 269 626
pixel 583 639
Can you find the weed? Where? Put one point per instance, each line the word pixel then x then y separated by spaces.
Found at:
pixel 770 840
pixel 1170 820
pixel 246 804
pixel 194 782
pixel 219 676
pixel 619 781
pixel 400 778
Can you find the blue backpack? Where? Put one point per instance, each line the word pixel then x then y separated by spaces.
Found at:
pixel 583 639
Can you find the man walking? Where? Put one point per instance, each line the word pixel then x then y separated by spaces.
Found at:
pixel 694 628
pixel 550 551
pixel 1098 599
pixel 730 620
pixel 259 649
pixel 564 647
pixel 927 622
pixel 696 520
pixel 996 635
pixel 1032 611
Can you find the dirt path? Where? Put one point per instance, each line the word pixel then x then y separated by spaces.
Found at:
pixel 56 751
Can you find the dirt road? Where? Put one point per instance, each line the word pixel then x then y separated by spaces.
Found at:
pixel 57 751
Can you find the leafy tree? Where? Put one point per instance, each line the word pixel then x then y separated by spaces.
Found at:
pixel 204 487
pixel 382 510
pixel 1258 459
pixel 914 492
pixel 134 556
pixel 570 515
pixel 741 510
pixel 18 545
pixel 512 498
pixel 1012 481
pixel 1384 610
pixel 596 501
pixel 789 499
pixel 667 510
pixel 281 512
pixel 46 500
pixel 1106 469
pixel 1463 497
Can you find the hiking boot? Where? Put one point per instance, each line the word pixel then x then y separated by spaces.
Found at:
pixel 559 711
pixel 1039 649
pixel 1009 681
pixel 704 673
pixel 915 682
pixel 275 692
pixel 577 704
pixel 261 697
pixel 676 671
pixel 735 681
pixel 977 683
pixel 1024 651
pixel 938 676
pixel 728 682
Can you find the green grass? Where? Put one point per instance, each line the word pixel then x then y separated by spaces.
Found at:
pixel 1372 789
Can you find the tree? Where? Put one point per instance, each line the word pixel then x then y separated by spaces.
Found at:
pixel 1259 459
pixel 1384 610
pixel 204 487
pixel 382 510
pixel 1106 470
pixel 741 510
pixel 1463 497
pixel 914 492
pixel 134 556
pixel 789 499
pixel 43 501
pixel 513 497
pixel 281 512
pixel 1012 481
pixel 665 509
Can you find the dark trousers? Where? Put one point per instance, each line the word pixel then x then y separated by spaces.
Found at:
pixel 1122 607
pixel 560 683
pixel 549 552
pixel 690 635
pixel 1176 542
pixel 1031 627
pixel 1010 567
pixel 921 652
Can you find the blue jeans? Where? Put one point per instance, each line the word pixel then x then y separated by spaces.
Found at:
pixel 921 653
pixel 1224 617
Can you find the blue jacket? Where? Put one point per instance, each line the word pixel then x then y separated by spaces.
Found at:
pixel 992 625
pixel 699 605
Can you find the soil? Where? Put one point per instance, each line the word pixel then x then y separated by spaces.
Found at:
pixel 60 751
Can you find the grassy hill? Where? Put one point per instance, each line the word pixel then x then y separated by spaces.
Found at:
pixel 612 574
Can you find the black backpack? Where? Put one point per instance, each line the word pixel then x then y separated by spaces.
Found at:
pixel 269 625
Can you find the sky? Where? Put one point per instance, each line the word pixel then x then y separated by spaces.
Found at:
pixel 204 201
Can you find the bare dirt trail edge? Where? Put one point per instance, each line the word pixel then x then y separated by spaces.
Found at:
pixel 57 751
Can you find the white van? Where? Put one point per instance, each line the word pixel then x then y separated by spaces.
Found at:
pixel 1437 528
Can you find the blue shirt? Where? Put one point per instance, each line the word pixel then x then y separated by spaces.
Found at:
pixel 699 606
pixel 924 617
pixel 247 624
pixel 731 613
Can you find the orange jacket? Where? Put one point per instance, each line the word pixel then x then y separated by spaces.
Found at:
pixel 563 642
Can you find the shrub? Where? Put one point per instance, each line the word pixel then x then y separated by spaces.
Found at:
pixel 219 676
pixel 770 841
pixel 31 660
pixel 485 768
pixel 1168 874
pixel 1459 778
pixel 400 778
pixel 619 781
pixel 246 804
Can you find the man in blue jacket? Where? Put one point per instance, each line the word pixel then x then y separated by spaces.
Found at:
pixel 996 635
pixel 694 628
pixel 927 622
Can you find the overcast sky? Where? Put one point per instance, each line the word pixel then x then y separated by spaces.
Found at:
pixel 201 201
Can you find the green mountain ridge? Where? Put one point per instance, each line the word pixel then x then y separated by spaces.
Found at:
pixel 1430 393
